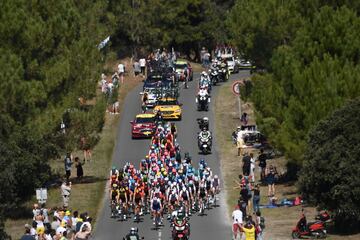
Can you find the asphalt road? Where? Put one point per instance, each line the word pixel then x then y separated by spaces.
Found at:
pixel 215 225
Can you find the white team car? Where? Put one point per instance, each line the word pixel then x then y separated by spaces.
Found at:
pixel 232 66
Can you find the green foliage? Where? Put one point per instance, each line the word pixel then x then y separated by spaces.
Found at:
pixel 48 60
pixel 310 74
pixel 329 177
pixel 185 25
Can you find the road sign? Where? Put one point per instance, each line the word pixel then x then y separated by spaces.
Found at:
pixel 236 87
pixel 41 195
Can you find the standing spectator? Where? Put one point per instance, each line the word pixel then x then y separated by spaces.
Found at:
pixel 27 235
pixel 259 225
pixel 270 178
pixel 240 144
pixel 83 234
pixel 202 53
pixel 85 146
pixel 206 59
pixel 68 163
pixel 137 68
pixel 121 71
pixel 252 167
pixel 244 119
pixel 45 212
pixel 142 62
pixel 237 217
pixel 256 198
pixel 79 168
pixel 249 230
pixel 246 164
pixel 262 164
pixel 65 192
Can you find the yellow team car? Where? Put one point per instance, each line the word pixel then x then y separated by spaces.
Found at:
pixel 169 108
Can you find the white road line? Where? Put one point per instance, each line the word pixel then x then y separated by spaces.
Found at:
pixel 159 235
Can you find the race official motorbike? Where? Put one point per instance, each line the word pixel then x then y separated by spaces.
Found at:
pixel 205 83
pixel 223 73
pixel 205 141
pixel 181 229
pixel 214 76
pixel 202 100
pixel 313 229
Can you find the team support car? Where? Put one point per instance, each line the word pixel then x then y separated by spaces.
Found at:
pixel 232 66
pixel 143 126
pixel 169 108
pixel 179 67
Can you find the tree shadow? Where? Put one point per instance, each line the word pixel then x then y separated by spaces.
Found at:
pixel 19 212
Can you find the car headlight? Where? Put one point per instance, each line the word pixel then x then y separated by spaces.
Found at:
pixel 178 111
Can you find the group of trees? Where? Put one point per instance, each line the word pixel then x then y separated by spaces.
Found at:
pixel 186 25
pixel 310 51
pixel 48 60
pixel 50 63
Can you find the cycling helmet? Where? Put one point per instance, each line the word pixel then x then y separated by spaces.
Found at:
pixel 216 176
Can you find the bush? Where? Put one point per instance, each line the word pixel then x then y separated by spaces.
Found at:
pixel 329 177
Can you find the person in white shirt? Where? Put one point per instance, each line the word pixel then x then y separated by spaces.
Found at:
pixel 121 71
pixel 237 217
pixel 142 62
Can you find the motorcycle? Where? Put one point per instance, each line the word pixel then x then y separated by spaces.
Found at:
pixel 214 76
pixel 181 230
pixel 313 229
pixel 223 74
pixel 205 141
pixel 205 83
pixel 202 101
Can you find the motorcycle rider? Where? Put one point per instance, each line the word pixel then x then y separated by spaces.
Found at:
pixel 205 81
pixel 133 234
pixel 203 123
pixel 180 221
pixel 202 96
pixel 205 134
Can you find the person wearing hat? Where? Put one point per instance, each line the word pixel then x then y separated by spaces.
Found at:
pixel 27 235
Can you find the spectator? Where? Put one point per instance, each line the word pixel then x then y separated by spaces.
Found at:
pixel 246 164
pixel 249 230
pixel 83 234
pixel 68 163
pixel 45 212
pixel 244 119
pixel 74 220
pixel 252 167
pixel 202 54
pixel 142 62
pixel 27 235
pixel 240 144
pixel 137 68
pixel 237 217
pixel 270 178
pixel 259 225
pixel 206 59
pixel 262 164
pixel 85 146
pixel 79 168
pixel 55 223
pixel 121 71
pixel 256 198
pixel 65 192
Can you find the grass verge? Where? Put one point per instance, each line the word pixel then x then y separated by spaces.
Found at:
pixel 279 221
pixel 87 195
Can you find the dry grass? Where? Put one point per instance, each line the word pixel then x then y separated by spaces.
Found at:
pixel 88 195
pixel 279 221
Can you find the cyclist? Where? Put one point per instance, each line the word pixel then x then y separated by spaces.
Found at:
pixel 185 197
pixel 202 195
pixel 123 198
pixel 138 199
pixel 156 209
